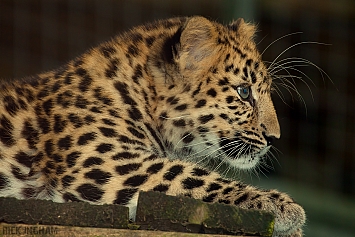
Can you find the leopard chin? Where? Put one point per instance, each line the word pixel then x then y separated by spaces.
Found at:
pixel 248 161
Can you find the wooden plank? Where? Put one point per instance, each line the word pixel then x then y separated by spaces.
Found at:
pixel 45 212
pixel 158 211
pixel 22 230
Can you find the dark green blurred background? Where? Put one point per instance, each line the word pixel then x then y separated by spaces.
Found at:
pixel 316 162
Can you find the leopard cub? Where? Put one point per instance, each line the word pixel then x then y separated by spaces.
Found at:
pixel 148 110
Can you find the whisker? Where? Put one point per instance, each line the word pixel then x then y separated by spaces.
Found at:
pixel 280 38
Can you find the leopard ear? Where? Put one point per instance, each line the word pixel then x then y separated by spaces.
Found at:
pixel 243 29
pixel 197 43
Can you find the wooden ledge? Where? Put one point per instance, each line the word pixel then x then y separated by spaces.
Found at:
pixel 157 215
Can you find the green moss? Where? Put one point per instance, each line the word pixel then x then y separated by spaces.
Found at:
pixel 133 226
pixel 199 215
pixel 270 228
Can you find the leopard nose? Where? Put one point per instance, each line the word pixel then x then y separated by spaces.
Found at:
pixel 269 139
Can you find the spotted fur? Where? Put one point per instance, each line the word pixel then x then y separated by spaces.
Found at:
pixel 148 110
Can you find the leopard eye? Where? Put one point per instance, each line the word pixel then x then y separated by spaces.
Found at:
pixel 244 92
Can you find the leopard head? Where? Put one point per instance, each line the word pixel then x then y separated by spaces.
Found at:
pixel 214 94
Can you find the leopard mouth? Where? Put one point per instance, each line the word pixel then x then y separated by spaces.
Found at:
pixel 240 153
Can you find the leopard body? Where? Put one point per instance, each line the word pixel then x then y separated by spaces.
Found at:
pixel 149 110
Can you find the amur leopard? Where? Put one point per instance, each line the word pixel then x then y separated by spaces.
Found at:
pixel 146 111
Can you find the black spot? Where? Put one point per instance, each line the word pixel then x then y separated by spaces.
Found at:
pixel 67 180
pixel 212 92
pixel 81 102
pixel 99 176
pixel 224 116
pixel 179 123
pixel 44 125
pixel 155 168
pixel 275 195
pixel 137 73
pixel 136 180
pixel 108 132
pixel 133 50
pixel 92 161
pixel 3 181
pixel 96 110
pixel 229 99
pixel 65 99
pixel 155 136
pixel 150 40
pixel 48 106
pixel 255 197
pixel 24 159
pixel 6 132
pixel 173 172
pixel 191 183
pixel 30 134
pixel 126 169
pixel 86 80
pixel 123 196
pixel 89 119
pixel 69 197
pixel 245 72
pixel 135 133
pixel 75 120
pixel 181 107
pixel 227 190
pixel 195 92
pixel 60 170
pixel 65 143
pixel 161 188
pixel 223 81
pixel 114 113
pixel 49 147
pixel 43 93
pixel 253 77
pixel 17 173
pixel 224 201
pixel 200 103
pixel 199 172
pixel 110 72
pixel 28 192
pixel 187 137
pixel 163 115
pixel 50 165
pixel 205 118
pixel 241 199
pixel 71 158
pixel 108 122
pixel 107 51
pixel 57 158
pixel 104 147
pixel 68 78
pixel 150 158
pixel 59 124
pixel 172 100
pixel 228 68
pixel 236 71
pixel 134 113
pixel 85 138
pixel 203 129
pixel 125 139
pixel 249 62
pixel 209 198
pixel 90 192
pixel 125 155
pixel 10 105
pixel 124 92
pixel 213 187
